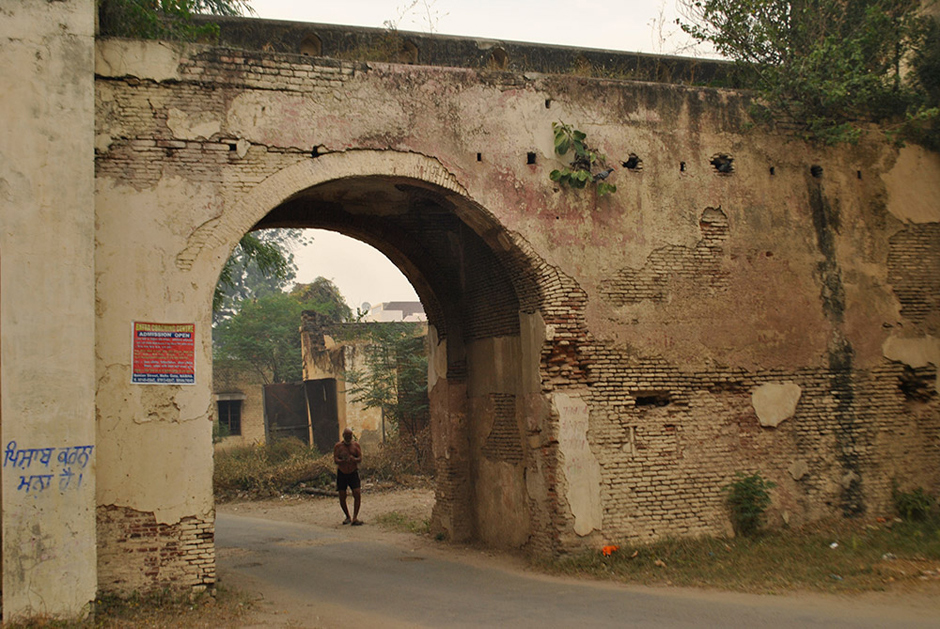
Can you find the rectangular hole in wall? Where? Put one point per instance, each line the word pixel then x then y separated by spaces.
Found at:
pixel 651 398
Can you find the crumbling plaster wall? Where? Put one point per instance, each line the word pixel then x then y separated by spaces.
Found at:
pixel 662 309
pixel 365 422
pixel 327 357
pixel 47 307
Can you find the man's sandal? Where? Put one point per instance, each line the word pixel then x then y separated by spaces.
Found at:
pixel 347 521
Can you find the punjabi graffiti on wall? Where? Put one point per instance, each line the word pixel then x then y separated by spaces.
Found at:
pixel 40 469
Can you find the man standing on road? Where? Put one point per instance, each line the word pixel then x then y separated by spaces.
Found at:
pixel 348 455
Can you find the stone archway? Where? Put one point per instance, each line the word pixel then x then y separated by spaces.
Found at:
pixel 482 295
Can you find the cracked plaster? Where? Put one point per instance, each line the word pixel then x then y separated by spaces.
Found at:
pixel 581 469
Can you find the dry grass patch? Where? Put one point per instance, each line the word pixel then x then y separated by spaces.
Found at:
pixel 264 471
pixel 842 556
pixel 288 466
pixel 221 608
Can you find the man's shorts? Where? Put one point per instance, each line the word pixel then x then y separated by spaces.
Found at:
pixel 344 480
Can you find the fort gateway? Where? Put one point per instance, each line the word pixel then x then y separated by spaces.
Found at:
pixel 600 365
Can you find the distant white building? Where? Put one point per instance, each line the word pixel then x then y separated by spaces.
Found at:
pixel 395 311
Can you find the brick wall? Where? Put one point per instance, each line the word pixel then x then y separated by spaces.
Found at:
pixel 668 433
pixel 701 264
pixel 138 554
pixel 668 441
pixel 914 272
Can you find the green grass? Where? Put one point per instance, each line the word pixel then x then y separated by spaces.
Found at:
pixel 222 608
pixel 400 522
pixel 867 556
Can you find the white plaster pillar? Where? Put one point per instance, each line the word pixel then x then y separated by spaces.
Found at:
pixel 47 307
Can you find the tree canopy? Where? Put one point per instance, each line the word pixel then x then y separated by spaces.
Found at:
pixel 164 19
pixel 323 296
pixel 263 336
pixel 261 264
pixel 829 67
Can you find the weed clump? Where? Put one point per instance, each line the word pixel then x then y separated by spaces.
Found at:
pixel 916 505
pixel 748 499
pixel 401 522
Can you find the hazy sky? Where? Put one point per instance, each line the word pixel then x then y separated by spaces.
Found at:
pixel 618 25
pixel 361 272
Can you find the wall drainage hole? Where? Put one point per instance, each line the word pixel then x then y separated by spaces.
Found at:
pixel 816 171
pixel 530 158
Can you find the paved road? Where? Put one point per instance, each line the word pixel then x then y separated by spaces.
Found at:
pixel 310 576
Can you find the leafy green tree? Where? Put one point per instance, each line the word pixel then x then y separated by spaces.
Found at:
pixel 323 296
pixel 826 66
pixel 924 124
pixel 164 19
pixel 261 264
pixel 395 379
pixel 263 336
pixel 587 165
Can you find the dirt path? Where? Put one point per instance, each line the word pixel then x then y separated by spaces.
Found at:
pixel 413 505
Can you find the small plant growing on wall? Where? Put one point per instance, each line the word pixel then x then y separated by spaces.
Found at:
pixel 916 505
pixel 588 165
pixel 748 498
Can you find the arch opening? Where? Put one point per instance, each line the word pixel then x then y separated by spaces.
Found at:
pixel 481 296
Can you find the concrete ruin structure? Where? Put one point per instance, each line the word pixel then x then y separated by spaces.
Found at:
pixel 331 353
pixel 242 397
pixel 239 408
pixel 599 366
